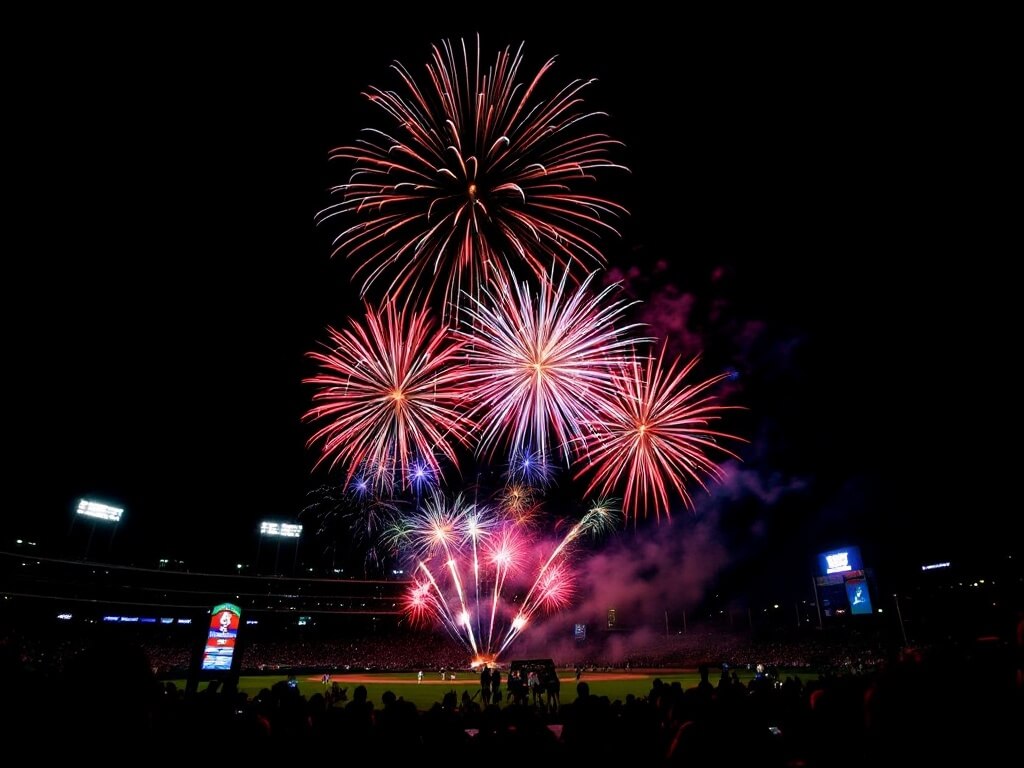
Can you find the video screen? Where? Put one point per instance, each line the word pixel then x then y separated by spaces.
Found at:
pixel 222 637
pixel 844 593
pixel 858 596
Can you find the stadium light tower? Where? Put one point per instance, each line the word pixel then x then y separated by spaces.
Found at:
pixel 279 531
pixel 97 512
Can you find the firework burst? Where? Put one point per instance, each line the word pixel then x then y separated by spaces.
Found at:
pixel 480 172
pixel 389 392
pixel 654 435
pixel 540 367
pixel 475 165
pixel 519 501
pixel 529 467
pixel 465 561
pixel 422 476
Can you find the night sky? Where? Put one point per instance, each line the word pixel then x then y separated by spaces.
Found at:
pixel 816 212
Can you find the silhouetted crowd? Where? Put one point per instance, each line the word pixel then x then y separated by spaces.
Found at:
pixel 920 705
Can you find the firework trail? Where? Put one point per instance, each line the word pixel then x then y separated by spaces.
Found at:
pixel 466 557
pixel 541 366
pixel 475 166
pixel 654 434
pixel 439 531
pixel 389 392
pixel 553 585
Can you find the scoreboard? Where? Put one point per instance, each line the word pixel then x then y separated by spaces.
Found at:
pixel 842 583
pixel 221 638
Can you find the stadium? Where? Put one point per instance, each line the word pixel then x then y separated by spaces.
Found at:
pixel 340 652
pixel 485 385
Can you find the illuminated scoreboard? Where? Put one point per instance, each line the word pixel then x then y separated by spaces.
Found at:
pixel 842 583
pixel 221 638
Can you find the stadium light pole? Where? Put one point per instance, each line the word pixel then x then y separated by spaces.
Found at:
pixel 96 512
pixel 280 531
pixel 817 601
pixel 899 615
pixel 259 550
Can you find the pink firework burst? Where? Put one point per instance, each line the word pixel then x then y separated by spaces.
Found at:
pixel 655 435
pixel 556 587
pixel 542 366
pixel 470 564
pixel 475 164
pixel 388 392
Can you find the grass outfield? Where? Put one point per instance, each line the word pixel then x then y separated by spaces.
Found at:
pixel 614 685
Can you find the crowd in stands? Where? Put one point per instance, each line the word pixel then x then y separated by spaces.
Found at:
pixel 406 652
pixel 409 651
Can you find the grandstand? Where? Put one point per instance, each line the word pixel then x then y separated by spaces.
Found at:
pixel 313 622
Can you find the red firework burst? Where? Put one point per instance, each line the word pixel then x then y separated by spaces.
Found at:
pixel 389 394
pixel 655 435
pixel 475 164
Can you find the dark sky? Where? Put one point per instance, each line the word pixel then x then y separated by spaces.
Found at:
pixel 816 211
